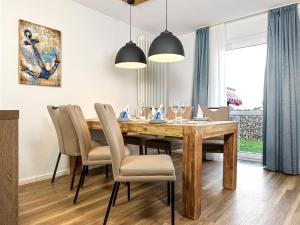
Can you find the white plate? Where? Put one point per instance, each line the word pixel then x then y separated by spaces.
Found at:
pixel 123 120
pixel 201 119
pixel 157 121
pixel 185 120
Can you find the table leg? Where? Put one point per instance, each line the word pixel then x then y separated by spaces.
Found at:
pixel 230 161
pixel 192 169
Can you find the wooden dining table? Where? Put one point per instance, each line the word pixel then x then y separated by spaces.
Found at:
pixel 192 134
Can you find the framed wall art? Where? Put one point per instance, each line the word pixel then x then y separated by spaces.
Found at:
pixel 39 55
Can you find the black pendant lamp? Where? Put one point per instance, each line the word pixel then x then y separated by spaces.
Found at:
pixel 166 47
pixel 130 56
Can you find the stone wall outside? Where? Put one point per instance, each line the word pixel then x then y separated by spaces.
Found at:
pixel 250 124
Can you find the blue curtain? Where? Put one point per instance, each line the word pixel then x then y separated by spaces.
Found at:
pixel 282 92
pixel 200 82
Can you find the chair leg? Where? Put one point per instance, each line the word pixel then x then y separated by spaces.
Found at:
pixel 74 171
pixel 79 185
pixel 110 202
pixel 116 194
pixel 173 203
pixel 86 171
pixel 55 169
pixel 168 189
pixel 128 191
pixel 146 150
pixel 106 171
pixel 141 150
pixel 158 152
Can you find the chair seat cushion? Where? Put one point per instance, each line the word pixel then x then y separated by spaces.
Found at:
pixel 99 153
pixel 164 143
pixel 102 153
pixel 147 165
pixel 95 144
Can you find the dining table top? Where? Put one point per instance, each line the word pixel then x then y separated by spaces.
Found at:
pixel 171 128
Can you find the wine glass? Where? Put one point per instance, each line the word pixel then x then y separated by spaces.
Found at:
pixel 180 111
pixel 182 107
pixel 175 109
pixel 140 112
pixel 163 115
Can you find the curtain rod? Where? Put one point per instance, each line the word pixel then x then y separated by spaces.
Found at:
pixel 250 15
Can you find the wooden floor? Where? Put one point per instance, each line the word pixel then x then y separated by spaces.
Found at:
pixel 261 198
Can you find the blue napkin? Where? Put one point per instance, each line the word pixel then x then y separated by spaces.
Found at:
pixel 157 116
pixel 123 115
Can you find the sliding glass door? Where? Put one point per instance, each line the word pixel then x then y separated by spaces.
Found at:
pixel 245 69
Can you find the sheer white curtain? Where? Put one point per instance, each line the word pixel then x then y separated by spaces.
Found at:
pixel 216 80
pixel 152 81
pixel 216 76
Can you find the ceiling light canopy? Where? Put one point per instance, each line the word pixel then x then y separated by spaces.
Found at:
pixel 130 56
pixel 166 48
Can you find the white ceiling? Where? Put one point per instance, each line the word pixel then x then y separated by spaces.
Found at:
pixel 184 15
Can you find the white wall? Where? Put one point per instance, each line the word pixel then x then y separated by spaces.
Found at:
pixel 90 41
pixel 181 73
pixel 1 47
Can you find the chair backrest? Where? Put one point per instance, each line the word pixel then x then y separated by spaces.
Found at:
pixel 187 113
pixel 217 114
pixel 82 130
pixel 146 111
pixel 66 134
pixel 113 135
pixel 54 111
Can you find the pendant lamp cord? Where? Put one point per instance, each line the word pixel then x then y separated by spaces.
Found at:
pixel 166 14
pixel 130 21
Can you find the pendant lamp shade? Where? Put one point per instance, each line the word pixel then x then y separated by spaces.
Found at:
pixel 130 56
pixel 166 48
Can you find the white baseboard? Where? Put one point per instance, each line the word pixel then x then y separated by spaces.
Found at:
pixel 42 177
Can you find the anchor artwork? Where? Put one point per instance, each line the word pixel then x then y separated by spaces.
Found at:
pixel 39 55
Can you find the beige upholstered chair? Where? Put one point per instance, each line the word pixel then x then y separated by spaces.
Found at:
pixel 168 144
pixel 132 168
pixel 216 114
pixel 215 145
pixel 91 156
pixel 67 137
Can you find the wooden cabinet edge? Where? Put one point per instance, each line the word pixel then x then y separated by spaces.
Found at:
pixel 9 114
pixel 9 163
